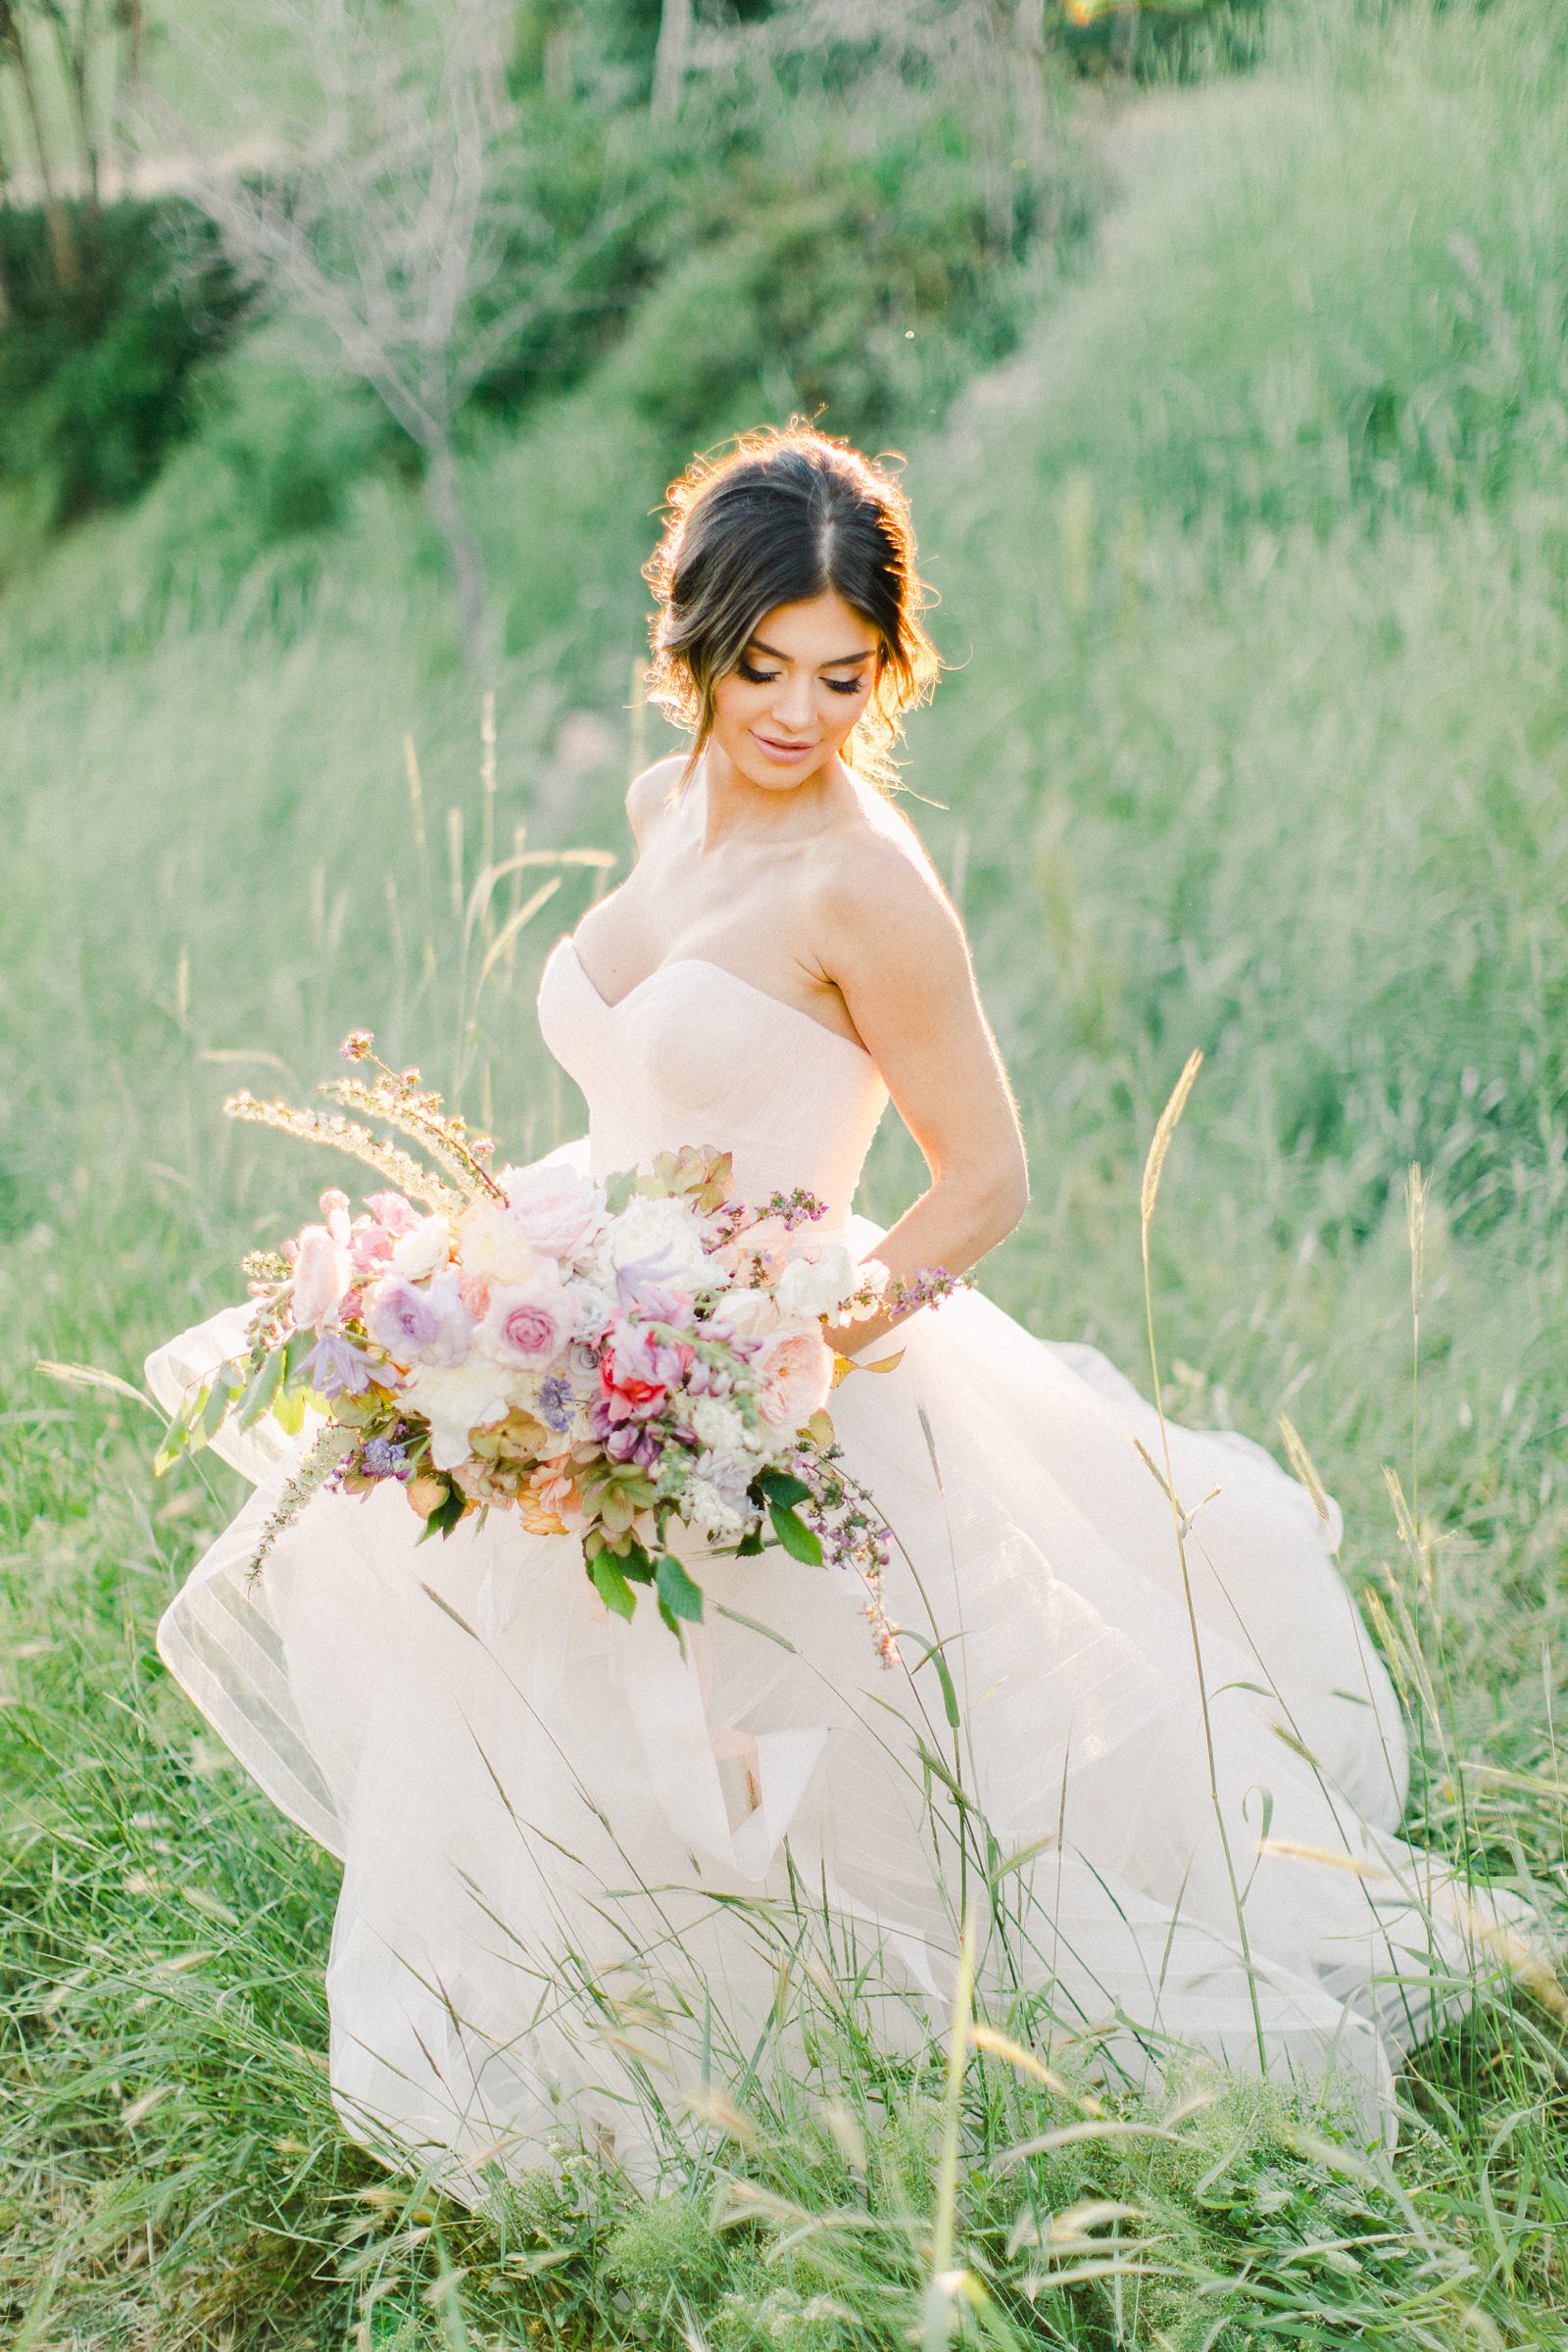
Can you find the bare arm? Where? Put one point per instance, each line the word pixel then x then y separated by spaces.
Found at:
pixel 894 949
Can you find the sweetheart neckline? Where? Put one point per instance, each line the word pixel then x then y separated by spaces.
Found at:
pixel 673 963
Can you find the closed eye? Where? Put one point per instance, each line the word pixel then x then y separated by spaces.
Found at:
pixel 846 685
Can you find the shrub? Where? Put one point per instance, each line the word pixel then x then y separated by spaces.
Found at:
pixel 97 378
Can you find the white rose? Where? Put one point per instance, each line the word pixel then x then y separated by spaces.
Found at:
pixel 667 1231
pixel 423 1248
pixel 492 1242
pixel 811 1286
pixel 746 1314
pixel 456 1399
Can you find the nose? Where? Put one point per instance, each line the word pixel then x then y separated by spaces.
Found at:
pixel 792 705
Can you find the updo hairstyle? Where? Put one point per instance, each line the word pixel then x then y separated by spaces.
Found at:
pixel 785 515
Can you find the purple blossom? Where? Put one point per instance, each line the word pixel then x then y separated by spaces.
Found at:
pixel 399 1317
pixel 383 1457
pixel 643 1287
pixel 633 1442
pixel 430 1324
pixel 928 1288
pixel 337 1367
pixel 556 1403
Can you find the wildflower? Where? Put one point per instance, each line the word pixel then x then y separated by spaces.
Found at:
pixel 357 1045
pixel 721 1427
pixel 641 1287
pixel 556 1403
pixel 337 1367
pixel 384 1457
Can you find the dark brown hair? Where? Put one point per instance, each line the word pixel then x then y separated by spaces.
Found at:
pixel 783 515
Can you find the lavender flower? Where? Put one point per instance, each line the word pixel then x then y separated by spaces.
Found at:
pixel 399 1317
pixel 337 1367
pixel 383 1457
pixel 641 1287
pixel 555 1405
pixel 931 1285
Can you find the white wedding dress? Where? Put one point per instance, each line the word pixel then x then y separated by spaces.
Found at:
pixel 575 1856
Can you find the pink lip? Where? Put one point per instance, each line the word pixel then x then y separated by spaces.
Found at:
pixel 785 750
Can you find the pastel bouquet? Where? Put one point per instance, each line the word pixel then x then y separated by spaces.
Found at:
pixel 614 1361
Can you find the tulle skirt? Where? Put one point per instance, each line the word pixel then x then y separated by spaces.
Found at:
pixel 582 1861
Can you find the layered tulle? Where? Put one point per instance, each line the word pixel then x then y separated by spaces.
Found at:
pixel 574 1851
pixel 1139 1737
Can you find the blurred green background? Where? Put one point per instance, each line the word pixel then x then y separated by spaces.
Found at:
pixel 1226 348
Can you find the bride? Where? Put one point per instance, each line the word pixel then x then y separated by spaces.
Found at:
pixel 1138 1738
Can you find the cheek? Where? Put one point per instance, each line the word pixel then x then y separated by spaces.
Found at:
pixel 843 711
pixel 735 703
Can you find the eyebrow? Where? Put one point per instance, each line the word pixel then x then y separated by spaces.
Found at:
pixel 842 661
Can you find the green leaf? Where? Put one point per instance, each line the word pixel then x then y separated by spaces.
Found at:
pixel 612 1586
pixel 214 1410
pixel 288 1411
pixel 677 1590
pixel 257 1398
pixel 750 1544
pixel 633 1560
pixel 779 1487
pixel 795 1535
pixel 446 1515
pixel 618 1189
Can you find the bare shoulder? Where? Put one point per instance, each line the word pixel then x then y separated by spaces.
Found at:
pixel 879 902
pixel 652 793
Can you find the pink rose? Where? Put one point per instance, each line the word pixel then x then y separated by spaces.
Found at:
pixel 393 1211
pixel 370 1246
pixel 321 1277
pixel 558 1210
pixel 795 1369
pixel 526 1324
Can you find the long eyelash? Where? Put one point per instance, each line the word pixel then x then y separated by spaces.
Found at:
pixel 766 677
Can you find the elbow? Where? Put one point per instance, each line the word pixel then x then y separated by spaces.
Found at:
pixel 1001 1196
pixel 1009 1198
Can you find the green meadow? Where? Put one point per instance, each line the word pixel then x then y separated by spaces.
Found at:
pixel 1248 508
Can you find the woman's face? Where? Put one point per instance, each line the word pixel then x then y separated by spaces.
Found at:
pixel 802 683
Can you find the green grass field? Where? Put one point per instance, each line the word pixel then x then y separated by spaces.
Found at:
pixel 1254 580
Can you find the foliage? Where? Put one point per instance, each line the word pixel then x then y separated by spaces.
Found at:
pixel 1245 747
pixel 851 241
pixel 97 377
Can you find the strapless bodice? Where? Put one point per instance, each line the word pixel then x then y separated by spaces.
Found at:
pixel 696 1054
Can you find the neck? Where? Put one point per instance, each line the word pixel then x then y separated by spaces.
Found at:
pixel 735 809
